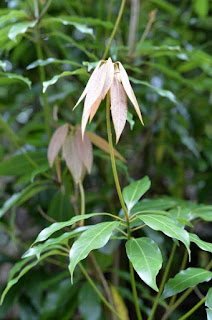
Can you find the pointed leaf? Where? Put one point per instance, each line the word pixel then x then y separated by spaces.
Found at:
pixel 185 279
pixel 95 237
pixel 16 77
pixel 134 191
pixel 103 145
pixel 72 159
pixel 118 107
pixel 20 28
pixel 109 69
pixel 146 259
pixel 129 90
pixel 94 108
pixel 167 226
pixel 207 246
pixel 85 149
pixel 208 302
pixel 203 212
pixel 56 142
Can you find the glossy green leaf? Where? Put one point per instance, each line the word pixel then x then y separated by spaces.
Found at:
pixel 185 279
pixel 20 28
pixel 146 259
pixel 47 232
pixel 203 212
pixel 162 203
pixel 89 303
pixel 208 302
pixel 207 246
pixel 48 83
pixel 16 77
pixel 209 314
pixel 95 237
pixel 134 191
pixel 12 16
pixel 167 226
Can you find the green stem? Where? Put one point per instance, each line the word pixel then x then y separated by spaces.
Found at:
pixel 114 29
pixel 82 198
pixel 45 9
pixel 90 281
pixel 135 295
pixel 165 275
pixel 190 312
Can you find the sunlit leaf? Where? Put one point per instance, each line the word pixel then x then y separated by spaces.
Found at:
pixel 207 246
pixel 56 142
pixel 208 302
pixel 20 28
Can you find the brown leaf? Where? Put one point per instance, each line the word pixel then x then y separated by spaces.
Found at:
pixel 94 108
pixel 129 90
pixel 118 107
pixel 103 145
pixel 85 149
pixel 72 158
pixel 56 143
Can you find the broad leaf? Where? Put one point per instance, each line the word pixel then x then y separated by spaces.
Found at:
pixel 20 28
pixel 134 191
pixel 167 226
pixel 56 142
pixel 89 303
pixel 95 237
pixel 185 279
pixel 207 246
pixel 146 259
pixel 16 77
pixel 203 212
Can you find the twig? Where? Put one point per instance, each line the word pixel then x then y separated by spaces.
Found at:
pixel 134 18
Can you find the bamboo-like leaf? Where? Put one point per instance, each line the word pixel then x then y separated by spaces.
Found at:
pixel 129 90
pixel 118 107
pixel 185 279
pixel 134 191
pixel 85 149
pixel 95 237
pixel 94 108
pixel 103 145
pixel 72 159
pixel 16 77
pixel 56 142
pixel 167 226
pixel 146 259
pixel 207 246
pixel 20 28
pixel 109 77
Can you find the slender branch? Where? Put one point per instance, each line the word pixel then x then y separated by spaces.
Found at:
pixel 82 197
pixel 135 295
pixel 98 292
pixel 165 275
pixel 148 27
pixel 190 312
pixel 134 19
pixel 45 9
pixel 114 29
pixel 124 233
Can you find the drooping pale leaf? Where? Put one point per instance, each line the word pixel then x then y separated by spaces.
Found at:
pixel 72 159
pixel 16 77
pixel 129 91
pixel 119 303
pixel 163 203
pixel 118 107
pixel 89 303
pixel 146 259
pixel 207 246
pixel 161 92
pixel 134 191
pixel 167 226
pixel 48 83
pixel 20 28
pixel 109 77
pixel 185 279
pixel 103 145
pixel 47 232
pixel 95 237
pixel 208 302
pixel 85 149
pixel 94 108
pixel 56 143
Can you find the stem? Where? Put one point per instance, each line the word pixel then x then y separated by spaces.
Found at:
pixel 45 9
pixel 135 296
pixel 112 157
pixel 148 27
pixel 165 275
pixel 98 292
pixel 114 29
pixel 190 312
pixel 82 197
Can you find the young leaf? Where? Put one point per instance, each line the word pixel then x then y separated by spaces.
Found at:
pixel 134 191
pixel 56 143
pixel 129 91
pixel 146 259
pixel 167 226
pixel 84 149
pixel 207 246
pixel 72 159
pixel 118 107
pixel 185 279
pixel 95 237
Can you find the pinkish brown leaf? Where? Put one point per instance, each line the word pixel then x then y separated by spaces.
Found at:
pixel 118 107
pixel 85 149
pixel 94 108
pixel 56 143
pixel 103 145
pixel 72 158
pixel 129 90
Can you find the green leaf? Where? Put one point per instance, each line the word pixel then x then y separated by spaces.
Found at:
pixel 27 193
pixel 163 203
pixel 79 20
pixel 134 191
pixel 185 279
pixel 95 237
pixel 201 8
pixel 20 28
pixel 40 169
pixel 16 77
pixel 48 61
pixel 48 83
pixel 208 302
pixel 203 212
pixel 47 232
pixel 146 259
pixel 12 16
pixel 130 120
pixel 209 314
pixel 161 92
pixel 89 303
pixel 167 226
pixel 207 246
pixel 3 65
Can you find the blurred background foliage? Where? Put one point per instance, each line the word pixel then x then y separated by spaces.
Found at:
pixel 47 49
